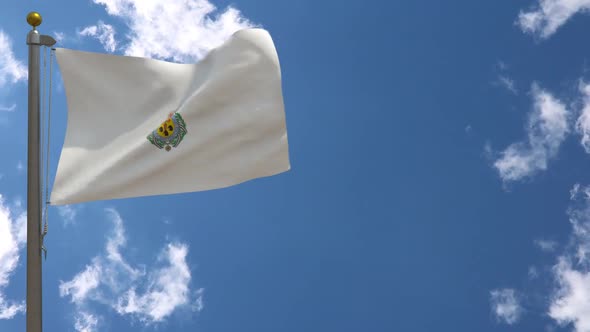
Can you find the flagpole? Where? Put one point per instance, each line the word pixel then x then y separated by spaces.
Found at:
pixel 34 290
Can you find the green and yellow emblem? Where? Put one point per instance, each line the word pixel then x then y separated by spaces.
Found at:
pixel 170 133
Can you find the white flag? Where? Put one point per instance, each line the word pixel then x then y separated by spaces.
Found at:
pixel 139 127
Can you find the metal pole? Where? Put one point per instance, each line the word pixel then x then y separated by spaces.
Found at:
pixel 34 290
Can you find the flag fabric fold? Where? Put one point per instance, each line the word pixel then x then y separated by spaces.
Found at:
pixel 141 127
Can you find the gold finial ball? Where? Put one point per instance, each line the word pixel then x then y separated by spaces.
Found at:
pixel 34 19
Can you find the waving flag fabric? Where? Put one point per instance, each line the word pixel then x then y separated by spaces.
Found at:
pixel 139 127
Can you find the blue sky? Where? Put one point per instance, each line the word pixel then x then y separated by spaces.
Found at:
pixel 439 178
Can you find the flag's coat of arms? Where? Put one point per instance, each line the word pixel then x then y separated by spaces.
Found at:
pixel 170 133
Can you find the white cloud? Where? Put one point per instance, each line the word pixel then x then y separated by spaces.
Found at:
pixel 505 305
pixel 12 240
pixel 110 280
pixel 548 15
pixel 570 303
pixel 20 166
pixel 547 129
pixel 507 83
pixel 105 33
pixel 583 122
pixel 574 191
pixel 11 70
pixel 569 299
pixel 82 284
pixel 488 151
pixel 10 108
pixel 167 288
pixel 67 213
pixel 59 36
pixel 580 220
pixel 546 245
pixel 86 322
pixel 115 243
pixel 176 29
pixel 198 304
pixel 10 309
